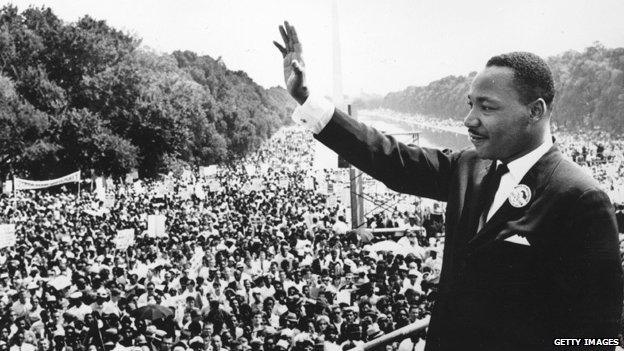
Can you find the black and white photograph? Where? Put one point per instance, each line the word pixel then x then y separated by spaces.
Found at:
pixel 332 175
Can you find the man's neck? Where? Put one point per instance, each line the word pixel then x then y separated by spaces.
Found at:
pixel 545 138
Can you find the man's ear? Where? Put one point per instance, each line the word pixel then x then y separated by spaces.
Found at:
pixel 538 110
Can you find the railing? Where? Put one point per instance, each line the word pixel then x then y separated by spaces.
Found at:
pixel 399 334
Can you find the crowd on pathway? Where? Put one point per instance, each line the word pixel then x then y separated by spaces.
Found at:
pixel 257 256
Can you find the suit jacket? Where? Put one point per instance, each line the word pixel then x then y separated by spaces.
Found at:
pixel 495 294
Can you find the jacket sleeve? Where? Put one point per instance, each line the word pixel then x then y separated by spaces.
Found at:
pixel 413 170
pixel 596 269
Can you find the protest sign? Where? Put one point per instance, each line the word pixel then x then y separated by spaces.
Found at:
pixel 308 183
pixel 109 200
pixel 250 169
pixel 7 235
pixel 208 171
pixel 343 296
pixel 7 187
pixel 214 185
pixel 256 184
pixel 199 191
pixel 332 201
pixel 156 226
pixel 124 238
pixel 100 189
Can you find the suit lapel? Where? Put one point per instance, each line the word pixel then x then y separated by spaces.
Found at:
pixel 535 179
pixel 469 217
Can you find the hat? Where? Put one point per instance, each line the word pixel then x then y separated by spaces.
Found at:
pixel 196 341
pixel 141 340
pixel 75 296
pixel 150 329
pixel 180 344
pixel 282 343
pixel 292 317
pixel 322 318
pixel 373 331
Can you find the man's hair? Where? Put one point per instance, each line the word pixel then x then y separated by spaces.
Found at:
pixel 532 75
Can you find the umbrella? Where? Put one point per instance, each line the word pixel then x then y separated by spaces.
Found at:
pixel 152 312
pixel 59 283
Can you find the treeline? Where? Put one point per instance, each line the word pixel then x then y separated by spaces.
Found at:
pixel 86 96
pixel 590 92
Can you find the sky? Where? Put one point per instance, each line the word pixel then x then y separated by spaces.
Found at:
pixel 385 45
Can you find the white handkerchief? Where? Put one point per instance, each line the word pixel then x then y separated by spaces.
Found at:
pixel 517 239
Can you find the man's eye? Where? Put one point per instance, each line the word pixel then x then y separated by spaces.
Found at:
pixel 486 108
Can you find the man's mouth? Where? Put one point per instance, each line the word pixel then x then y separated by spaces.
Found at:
pixel 474 136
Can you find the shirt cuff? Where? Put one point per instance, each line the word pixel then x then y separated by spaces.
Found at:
pixel 314 114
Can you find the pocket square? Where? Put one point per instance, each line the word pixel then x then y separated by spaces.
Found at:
pixel 517 239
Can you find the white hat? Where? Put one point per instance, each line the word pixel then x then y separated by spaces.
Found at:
pixel 76 295
pixel 282 343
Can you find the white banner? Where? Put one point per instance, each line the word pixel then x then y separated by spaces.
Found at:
pixel 7 235
pixel 24 184
pixel 124 238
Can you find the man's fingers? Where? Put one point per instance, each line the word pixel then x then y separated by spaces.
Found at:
pixel 285 37
pixel 280 48
pixel 293 35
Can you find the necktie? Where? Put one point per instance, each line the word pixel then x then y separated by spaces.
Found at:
pixel 489 191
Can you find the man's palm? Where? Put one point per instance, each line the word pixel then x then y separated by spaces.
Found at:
pixel 294 73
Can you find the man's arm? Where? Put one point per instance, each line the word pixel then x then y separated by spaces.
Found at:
pixel 418 171
pixel 412 170
pixel 596 270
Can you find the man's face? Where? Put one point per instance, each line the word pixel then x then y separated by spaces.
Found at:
pixel 498 122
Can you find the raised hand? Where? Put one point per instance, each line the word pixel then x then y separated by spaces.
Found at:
pixel 294 68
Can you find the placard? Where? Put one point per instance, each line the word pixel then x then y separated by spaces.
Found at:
pixel 109 200
pixel 208 171
pixel 308 183
pixel 199 191
pixel 124 238
pixel 7 235
pixel 156 226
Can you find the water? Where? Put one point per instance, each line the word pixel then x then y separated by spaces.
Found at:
pixel 430 136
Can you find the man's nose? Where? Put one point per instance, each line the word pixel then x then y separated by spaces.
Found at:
pixel 471 120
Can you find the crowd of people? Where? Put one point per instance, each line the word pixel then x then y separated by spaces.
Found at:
pixel 257 256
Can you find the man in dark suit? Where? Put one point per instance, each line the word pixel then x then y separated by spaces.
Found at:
pixel 531 248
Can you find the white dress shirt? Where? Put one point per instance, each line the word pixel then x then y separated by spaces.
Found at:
pixel 517 169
